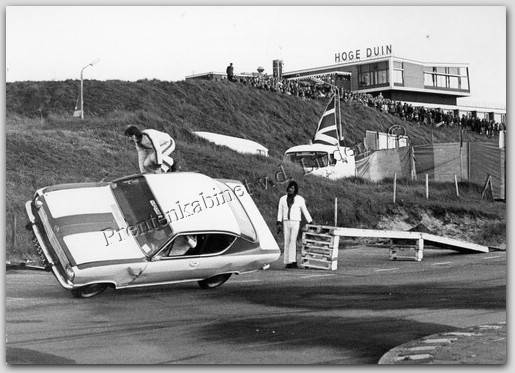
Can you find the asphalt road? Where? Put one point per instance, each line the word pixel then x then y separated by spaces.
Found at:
pixel 353 315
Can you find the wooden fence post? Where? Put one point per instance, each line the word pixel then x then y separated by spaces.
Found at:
pixel 394 186
pixel 335 211
pixel 13 237
pixel 488 187
pixel 427 186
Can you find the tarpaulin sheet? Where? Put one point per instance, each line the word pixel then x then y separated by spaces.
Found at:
pixel 472 161
pixel 385 163
pixel 488 159
pixel 441 162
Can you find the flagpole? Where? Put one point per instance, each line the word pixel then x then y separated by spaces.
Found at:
pixel 339 114
pixel 339 124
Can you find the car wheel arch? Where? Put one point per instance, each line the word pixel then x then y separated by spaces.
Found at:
pixel 92 289
pixel 215 281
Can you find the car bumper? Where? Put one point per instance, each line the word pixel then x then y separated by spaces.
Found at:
pixel 42 249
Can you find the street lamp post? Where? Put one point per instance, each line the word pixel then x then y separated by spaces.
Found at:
pixel 82 86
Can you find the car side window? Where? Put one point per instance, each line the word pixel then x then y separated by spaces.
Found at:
pixel 182 244
pixel 215 243
pixel 195 245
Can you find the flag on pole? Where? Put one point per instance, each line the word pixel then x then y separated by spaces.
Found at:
pixel 327 130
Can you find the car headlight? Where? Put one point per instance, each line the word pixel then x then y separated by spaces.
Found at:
pixel 69 272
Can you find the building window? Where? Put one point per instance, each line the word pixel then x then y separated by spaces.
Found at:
pixel 464 78
pixel 398 72
pixel 383 77
pixel 441 81
pixel 455 78
pixel 364 79
pixel 428 80
pixel 373 74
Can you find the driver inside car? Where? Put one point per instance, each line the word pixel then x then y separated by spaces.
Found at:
pixel 181 245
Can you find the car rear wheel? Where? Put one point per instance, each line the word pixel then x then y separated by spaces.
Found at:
pixel 215 281
pixel 89 291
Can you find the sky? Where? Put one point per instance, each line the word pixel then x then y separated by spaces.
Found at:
pixel 172 42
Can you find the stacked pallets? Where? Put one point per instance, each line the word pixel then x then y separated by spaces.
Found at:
pixel 319 247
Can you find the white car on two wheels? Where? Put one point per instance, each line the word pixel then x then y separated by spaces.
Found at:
pixel 131 232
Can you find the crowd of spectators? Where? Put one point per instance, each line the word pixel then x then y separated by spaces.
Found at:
pixel 419 115
pixel 299 88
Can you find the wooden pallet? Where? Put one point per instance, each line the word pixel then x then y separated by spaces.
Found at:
pixel 406 252
pixel 319 248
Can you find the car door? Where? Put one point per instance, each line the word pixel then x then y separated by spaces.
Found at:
pixel 161 270
pixel 172 264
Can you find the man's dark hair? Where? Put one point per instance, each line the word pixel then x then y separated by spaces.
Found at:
pixel 293 184
pixel 133 130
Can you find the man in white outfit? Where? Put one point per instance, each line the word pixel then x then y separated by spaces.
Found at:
pixel 291 206
pixel 154 149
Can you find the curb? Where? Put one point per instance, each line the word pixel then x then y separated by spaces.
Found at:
pixel 472 345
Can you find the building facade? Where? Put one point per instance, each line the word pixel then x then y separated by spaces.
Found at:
pixel 377 71
pixel 397 79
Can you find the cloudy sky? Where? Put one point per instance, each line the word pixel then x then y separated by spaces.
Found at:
pixel 171 42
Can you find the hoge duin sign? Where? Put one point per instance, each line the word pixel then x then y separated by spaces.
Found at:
pixel 358 54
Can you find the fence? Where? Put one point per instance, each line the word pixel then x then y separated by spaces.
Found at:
pixel 443 162
pixel 473 162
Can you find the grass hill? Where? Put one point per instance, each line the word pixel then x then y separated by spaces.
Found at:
pixel 45 146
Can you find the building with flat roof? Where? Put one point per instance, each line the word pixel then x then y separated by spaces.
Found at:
pixel 377 71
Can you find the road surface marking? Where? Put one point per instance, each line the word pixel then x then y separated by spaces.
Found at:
pixel 385 269
pixel 414 357
pixel 441 264
pixel 490 327
pixel 440 340
pixel 422 348
pixel 463 334
pixel 309 276
pixel 240 281
pixel 492 257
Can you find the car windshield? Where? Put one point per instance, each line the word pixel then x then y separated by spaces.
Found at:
pixel 309 159
pixel 145 220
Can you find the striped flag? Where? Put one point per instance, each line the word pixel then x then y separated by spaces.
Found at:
pixel 327 130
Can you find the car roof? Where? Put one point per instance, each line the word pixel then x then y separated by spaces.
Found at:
pixel 194 202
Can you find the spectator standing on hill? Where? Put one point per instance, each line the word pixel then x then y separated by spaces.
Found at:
pixel 291 206
pixel 230 72
pixel 154 149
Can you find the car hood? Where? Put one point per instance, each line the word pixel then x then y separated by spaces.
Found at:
pixel 86 222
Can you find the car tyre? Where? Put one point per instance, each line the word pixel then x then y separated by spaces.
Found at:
pixel 89 291
pixel 215 281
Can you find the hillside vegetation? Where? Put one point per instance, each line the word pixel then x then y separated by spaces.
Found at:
pixel 45 146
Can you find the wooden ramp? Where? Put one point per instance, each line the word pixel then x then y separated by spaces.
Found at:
pixel 421 238
pixel 320 244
